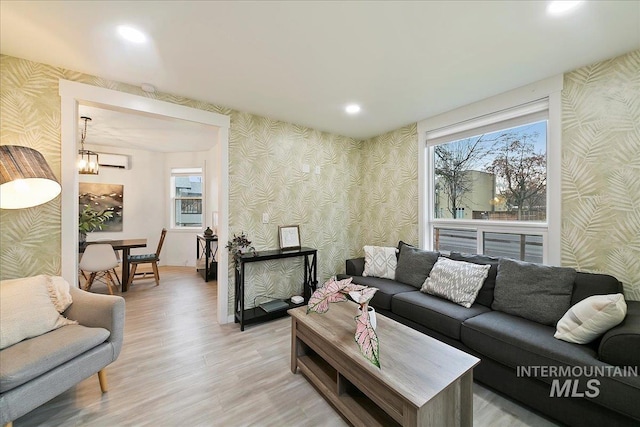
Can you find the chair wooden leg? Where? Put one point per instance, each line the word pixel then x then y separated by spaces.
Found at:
pixel 92 277
pixel 109 280
pixel 102 378
pixel 9 424
pixel 132 273
pixel 117 277
pixel 156 275
pixel 84 276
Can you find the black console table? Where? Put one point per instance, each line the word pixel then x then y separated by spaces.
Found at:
pixel 206 258
pixel 257 314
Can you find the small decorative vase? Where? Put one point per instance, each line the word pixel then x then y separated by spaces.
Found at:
pixel 372 315
pixel 208 232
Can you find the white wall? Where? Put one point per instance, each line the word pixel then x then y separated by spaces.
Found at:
pixel 147 203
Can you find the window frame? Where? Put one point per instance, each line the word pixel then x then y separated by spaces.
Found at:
pixel 182 172
pixel 486 112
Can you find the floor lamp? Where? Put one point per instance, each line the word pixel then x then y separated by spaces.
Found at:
pixel 26 180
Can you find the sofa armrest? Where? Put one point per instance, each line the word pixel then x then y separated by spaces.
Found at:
pixel 99 311
pixel 355 266
pixel 620 346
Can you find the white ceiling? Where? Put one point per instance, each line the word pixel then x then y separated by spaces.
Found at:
pixel 301 62
pixel 143 132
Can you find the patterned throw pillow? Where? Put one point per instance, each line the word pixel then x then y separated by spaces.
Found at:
pixel 457 281
pixel 380 262
pixel 591 317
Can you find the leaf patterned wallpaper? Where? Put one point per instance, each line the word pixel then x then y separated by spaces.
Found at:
pixel 387 191
pixel 366 192
pixel 601 170
pixel 265 174
pixel 266 159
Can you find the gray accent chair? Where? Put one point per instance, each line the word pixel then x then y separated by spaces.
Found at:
pixel 38 369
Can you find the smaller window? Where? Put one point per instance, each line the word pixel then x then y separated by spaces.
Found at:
pixel 525 247
pixel 452 239
pixel 186 197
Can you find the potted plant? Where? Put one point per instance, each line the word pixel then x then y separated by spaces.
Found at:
pixel 240 244
pixel 337 291
pixel 90 220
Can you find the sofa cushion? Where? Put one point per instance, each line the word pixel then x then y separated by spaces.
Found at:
pixel 534 291
pixel 590 318
pixel 434 313
pixel 29 307
pixel 380 262
pixel 386 289
pixel 514 341
pixel 485 296
pixel 414 265
pixel 456 281
pixel 588 284
pixel 33 357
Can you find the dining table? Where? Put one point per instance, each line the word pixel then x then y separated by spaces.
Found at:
pixel 125 245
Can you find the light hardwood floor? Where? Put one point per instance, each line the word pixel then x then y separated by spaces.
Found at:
pixel 179 367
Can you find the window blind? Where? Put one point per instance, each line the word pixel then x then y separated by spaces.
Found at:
pixel 526 113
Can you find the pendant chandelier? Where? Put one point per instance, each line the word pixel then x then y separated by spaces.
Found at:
pixel 87 160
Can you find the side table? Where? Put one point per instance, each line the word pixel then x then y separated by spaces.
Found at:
pixel 256 314
pixel 206 262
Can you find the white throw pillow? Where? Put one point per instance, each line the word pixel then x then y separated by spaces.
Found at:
pixel 380 262
pixel 457 281
pixel 27 309
pixel 59 292
pixel 591 317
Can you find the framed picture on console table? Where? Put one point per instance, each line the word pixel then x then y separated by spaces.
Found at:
pixel 289 236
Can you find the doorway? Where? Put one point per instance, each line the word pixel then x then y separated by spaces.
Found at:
pixel 72 94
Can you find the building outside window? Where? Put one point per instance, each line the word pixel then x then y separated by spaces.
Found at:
pixel 187 198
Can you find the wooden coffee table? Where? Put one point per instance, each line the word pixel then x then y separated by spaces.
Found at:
pixel 421 382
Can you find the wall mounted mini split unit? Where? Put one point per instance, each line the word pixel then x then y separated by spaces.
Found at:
pixel 119 161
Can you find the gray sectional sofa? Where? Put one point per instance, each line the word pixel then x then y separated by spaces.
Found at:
pixel 520 357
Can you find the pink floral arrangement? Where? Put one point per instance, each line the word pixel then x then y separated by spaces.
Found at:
pixel 337 291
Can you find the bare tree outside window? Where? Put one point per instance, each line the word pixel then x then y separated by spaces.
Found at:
pixel 495 176
pixel 523 174
pixel 453 161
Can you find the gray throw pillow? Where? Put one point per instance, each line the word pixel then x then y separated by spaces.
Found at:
pixel 414 265
pixel 534 291
pixel 485 296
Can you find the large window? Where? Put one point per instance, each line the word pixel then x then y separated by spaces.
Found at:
pixel 487 183
pixel 186 197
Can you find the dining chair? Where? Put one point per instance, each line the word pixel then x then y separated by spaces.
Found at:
pixel 99 260
pixel 135 260
pixel 114 270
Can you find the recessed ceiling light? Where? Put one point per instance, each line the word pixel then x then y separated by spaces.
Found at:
pixel 352 109
pixel 560 7
pixel 131 34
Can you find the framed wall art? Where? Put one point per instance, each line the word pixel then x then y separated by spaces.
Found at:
pixel 289 236
pixel 103 197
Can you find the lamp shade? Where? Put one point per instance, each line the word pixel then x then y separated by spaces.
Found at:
pixel 26 179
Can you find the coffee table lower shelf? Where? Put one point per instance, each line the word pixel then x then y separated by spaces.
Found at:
pixel 344 396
